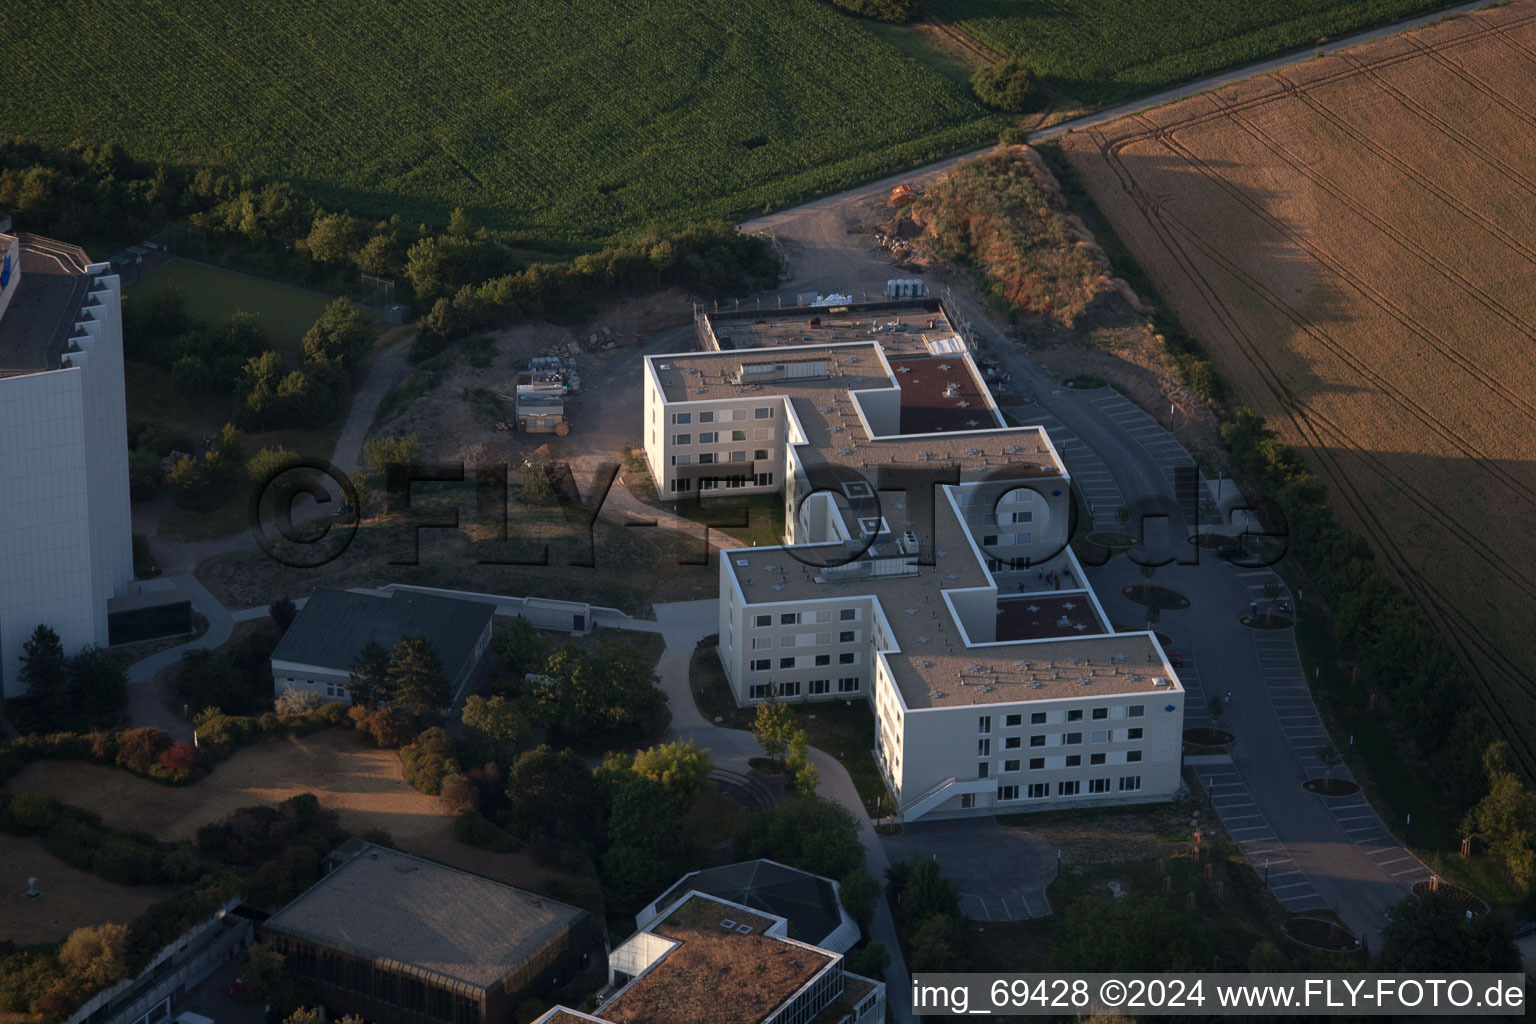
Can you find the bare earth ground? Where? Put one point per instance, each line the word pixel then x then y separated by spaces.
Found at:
pixel 1350 239
pixel 364 786
pixel 71 897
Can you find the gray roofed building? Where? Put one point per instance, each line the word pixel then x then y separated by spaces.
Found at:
pixel 808 902
pixel 334 626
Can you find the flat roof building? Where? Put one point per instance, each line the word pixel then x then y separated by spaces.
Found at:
pixel 65 524
pixel 925 563
pixel 401 940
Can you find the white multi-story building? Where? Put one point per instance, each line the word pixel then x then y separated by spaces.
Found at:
pixel 925 567
pixel 66 544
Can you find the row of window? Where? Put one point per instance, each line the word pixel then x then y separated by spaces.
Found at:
pixel 1063 739
pixel 992 540
pixel 796 618
pixel 990 519
pixel 821 661
pixel 765 643
pixel 1017 495
pixel 815 687
pixel 761 480
pixel 713 458
pixel 1099 714
pixel 383 985
pixel 1070 761
pixel 723 436
pixel 764 412
pixel 1040 790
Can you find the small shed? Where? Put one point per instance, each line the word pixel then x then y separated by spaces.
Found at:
pixel 540 410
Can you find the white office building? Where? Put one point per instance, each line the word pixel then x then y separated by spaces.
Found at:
pixel 65 527
pixel 925 567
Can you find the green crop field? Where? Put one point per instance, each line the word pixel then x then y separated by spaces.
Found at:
pixel 214 295
pixel 1103 51
pixel 567 121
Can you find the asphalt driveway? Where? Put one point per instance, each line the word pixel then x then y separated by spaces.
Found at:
pixel 1000 872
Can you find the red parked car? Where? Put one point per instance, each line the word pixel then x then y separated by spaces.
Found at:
pixel 1174 658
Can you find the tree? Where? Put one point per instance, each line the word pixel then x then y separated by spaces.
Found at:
pixel 870 962
pixel 802 772
pixel 334 237
pixel 1427 932
pixel 1505 819
pixel 808 832
pixel 96 688
pixel 1329 755
pixel 283 612
pixel 368 684
pixel 380 454
pixel 773 726
pixel 938 945
pixel 268 463
pixel 1132 933
pixel 1147 572
pixel 139 750
pixel 43 665
pixel 340 338
pixel 1272 592
pixel 554 797
pixel 495 726
pixel 297 702
pixel 603 699
pixel 416 677
pixel 858 891
pixel 267 980
pixel 96 955
pixel 926 892
pixel 681 767
pixel 1006 85
pixel 191 377
pixel 1217 707
pixel 520 646
pixel 536 486
pixel 645 834
pixel 1266 958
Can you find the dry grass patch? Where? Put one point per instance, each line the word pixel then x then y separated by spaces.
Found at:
pixel 364 786
pixel 1350 240
pixel 72 898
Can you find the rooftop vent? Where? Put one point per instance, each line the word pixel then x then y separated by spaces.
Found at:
pixel 743 929
pixel 728 924
pixel 1160 681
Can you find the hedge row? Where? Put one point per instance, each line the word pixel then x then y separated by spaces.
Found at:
pixel 78 838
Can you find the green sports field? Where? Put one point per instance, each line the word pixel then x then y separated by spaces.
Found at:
pixel 1104 51
pixel 560 121
pixel 214 295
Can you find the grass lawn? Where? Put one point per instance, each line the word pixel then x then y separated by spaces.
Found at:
pixel 1106 51
pixel 756 520
pixel 215 294
pixel 72 898
pixel 844 729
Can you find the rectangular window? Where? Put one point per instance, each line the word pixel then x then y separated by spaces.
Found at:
pixel 786 663
pixel 682 417
pixel 847 636
pixel 789 689
pixel 1130 783
pixel 1036 763
pixel 1023 517
pixel 848 658
pixel 1133 756
pixel 760 643
pixel 787 641
pixel 763 620
pixel 983 747
pixel 707 459
pixel 1068 788
pixel 1013 742
pixel 1099 736
pixel 765 479
pixel 990 519
pixel 823 615
pixel 1099 714
pixel 1133 734
pixel 682 460
pixel 334 689
pixel 760 454
pixel 1095 758
pixel 737 415
pixel 822 639
pixel 823 659
pixel 738 456
pixel 816 686
pixel 738 435
pixel 848 614
pixel 848 684
pixel 1037 790
pixel 759 691
pixel 763 413
pixel 989 540
pixel 1037 741
pixel 1007 792
pixel 762 434
pixel 1076 715
pixel 1074 760
pixel 1098 785
pixel 984 724
pixel 762 664
pixel 707 437
pixel 1135 711
pixel 1010 766
pixel 1013 720
pixel 1072 737
pixel 682 439
pixel 984 770
pixel 706 417
pixel 1037 718
pixel 789 619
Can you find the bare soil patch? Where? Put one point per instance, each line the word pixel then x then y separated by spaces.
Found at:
pixel 71 898
pixel 363 785
pixel 1350 239
pixel 1331 787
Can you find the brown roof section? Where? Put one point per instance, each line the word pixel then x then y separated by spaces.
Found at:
pixel 716 976
pixel 36 327
pixel 941 393
pixel 1037 616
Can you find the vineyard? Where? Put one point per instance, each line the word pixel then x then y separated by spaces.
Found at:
pixel 1105 51
pixel 1351 240
pixel 561 122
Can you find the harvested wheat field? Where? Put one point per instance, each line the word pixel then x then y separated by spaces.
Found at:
pixel 71 897
pixel 1353 240
pixel 363 785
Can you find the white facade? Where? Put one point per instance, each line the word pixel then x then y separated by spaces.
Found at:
pixel 65 524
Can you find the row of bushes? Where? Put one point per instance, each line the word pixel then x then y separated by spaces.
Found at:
pixel 153 754
pixel 78 838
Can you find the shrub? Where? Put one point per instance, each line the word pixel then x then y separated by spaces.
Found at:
pixel 388 728
pixel 291 702
pixel 268 463
pixel 476 829
pixel 429 760
pixel 1007 85
pixel 31 812
pixel 139 750
pixel 96 955
pixel 180 759
pixel 459 794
